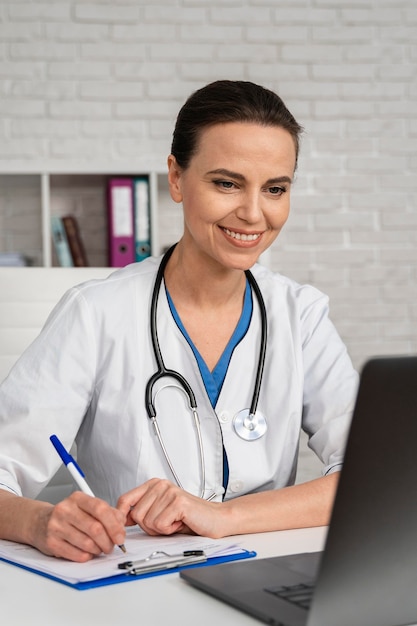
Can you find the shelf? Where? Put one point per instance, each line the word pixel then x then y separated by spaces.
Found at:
pixel 29 198
pixel 21 216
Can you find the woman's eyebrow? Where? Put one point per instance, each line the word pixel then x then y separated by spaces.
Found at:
pixel 279 180
pixel 229 174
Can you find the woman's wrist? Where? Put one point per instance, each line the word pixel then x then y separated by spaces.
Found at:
pixel 34 514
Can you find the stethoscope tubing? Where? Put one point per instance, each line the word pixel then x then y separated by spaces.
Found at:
pixel 264 339
pixel 196 420
pixel 163 371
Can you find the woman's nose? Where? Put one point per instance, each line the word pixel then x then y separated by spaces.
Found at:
pixel 250 208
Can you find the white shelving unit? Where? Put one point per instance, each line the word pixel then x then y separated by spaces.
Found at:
pixel 28 198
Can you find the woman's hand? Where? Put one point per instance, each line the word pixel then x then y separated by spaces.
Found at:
pixel 78 528
pixel 161 508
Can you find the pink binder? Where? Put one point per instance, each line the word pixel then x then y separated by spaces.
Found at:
pixel 121 224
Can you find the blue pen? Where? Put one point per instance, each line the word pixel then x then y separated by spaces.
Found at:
pixel 74 469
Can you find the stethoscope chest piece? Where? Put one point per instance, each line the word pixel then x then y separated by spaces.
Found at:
pixel 248 426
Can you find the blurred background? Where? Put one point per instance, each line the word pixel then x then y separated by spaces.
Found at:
pixel 89 88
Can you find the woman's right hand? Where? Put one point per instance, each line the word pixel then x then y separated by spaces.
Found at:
pixel 77 528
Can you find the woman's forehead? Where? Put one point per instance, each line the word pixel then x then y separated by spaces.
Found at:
pixel 234 143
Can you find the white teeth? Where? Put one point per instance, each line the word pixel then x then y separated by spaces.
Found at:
pixel 241 236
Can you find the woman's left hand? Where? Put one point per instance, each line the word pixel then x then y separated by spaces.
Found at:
pixel 161 508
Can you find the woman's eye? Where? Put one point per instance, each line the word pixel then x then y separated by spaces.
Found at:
pixel 276 191
pixel 224 184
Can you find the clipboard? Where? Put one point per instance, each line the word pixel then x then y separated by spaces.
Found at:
pixel 159 556
pixel 148 572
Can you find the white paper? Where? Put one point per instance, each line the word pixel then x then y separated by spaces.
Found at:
pixel 138 545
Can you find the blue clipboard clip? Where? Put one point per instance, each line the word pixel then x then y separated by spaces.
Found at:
pixel 159 561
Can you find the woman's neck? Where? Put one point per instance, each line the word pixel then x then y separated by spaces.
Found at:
pixel 208 299
pixel 195 279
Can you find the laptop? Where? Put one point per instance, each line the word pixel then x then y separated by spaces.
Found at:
pixel 367 573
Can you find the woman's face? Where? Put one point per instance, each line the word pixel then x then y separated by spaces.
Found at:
pixel 235 191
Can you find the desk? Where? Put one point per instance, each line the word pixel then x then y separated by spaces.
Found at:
pixel 31 600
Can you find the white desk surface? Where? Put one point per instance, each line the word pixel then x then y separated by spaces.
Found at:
pixel 28 599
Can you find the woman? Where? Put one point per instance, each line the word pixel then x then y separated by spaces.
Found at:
pixel 232 164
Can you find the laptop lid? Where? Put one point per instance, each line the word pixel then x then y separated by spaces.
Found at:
pixel 368 571
pixel 368 574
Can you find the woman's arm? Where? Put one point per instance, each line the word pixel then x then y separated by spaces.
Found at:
pixel 77 528
pixel 160 507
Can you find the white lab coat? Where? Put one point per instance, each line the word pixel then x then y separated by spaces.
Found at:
pixel 84 379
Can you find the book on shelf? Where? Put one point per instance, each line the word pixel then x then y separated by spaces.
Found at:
pixel 120 222
pixel 142 218
pixel 77 249
pixel 128 220
pixel 60 240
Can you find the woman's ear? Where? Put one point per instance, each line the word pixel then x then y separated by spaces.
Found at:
pixel 174 179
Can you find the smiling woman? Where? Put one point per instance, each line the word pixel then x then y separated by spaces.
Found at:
pixel 251 352
pixel 235 192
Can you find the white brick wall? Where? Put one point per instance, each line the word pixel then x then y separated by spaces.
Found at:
pixel 84 81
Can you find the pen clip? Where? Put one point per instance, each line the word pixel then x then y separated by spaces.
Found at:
pixel 160 560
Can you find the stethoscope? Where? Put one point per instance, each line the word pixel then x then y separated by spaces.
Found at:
pixel 249 424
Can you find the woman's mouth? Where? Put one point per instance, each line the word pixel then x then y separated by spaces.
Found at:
pixel 242 236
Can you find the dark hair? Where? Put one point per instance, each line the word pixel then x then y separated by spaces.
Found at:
pixel 228 101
